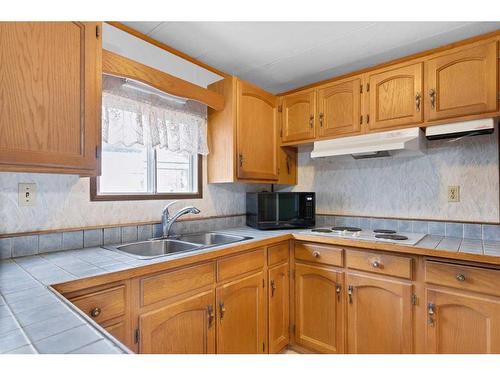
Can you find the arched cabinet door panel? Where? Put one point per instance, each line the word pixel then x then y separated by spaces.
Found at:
pixel 379 315
pixel 462 323
pixel 298 120
pixel 462 83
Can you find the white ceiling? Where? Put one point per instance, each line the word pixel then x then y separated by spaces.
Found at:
pixel 280 56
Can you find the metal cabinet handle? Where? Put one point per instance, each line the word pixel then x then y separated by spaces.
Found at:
pixel 431 312
pixel 94 313
pixel 311 121
pixel 316 254
pixel 210 313
pixel 432 95
pixel 376 264
pixel 240 158
pixel 273 288
pixel 222 310
pixel 321 120
pixel 418 99
pixel 350 290
pixel 460 277
pixel 338 289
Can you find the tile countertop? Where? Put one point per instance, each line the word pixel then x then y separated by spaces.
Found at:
pixel 34 320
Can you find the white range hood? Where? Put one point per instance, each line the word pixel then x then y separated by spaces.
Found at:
pixel 461 129
pixel 405 142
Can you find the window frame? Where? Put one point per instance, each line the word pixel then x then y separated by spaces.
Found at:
pixel 96 197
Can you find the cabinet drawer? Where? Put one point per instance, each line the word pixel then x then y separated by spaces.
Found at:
pixel 386 264
pixel 240 264
pixel 277 253
pixel 102 305
pixel 475 279
pixel 173 283
pixel 311 252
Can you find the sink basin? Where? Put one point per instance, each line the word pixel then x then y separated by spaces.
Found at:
pixel 211 238
pixel 168 246
pixel 156 248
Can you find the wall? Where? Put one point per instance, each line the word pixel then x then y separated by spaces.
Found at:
pixel 63 202
pixel 409 187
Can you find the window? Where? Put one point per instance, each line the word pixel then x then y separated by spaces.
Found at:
pixel 152 144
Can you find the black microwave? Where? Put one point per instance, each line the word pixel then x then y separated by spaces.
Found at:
pixel 281 210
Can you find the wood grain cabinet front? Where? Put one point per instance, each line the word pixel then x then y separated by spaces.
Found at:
pixel 241 316
pixel 298 117
pixel 461 322
pixel 50 97
pixel 463 82
pixel 379 315
pixel 319 308
pixel 278 307
pixel 183 327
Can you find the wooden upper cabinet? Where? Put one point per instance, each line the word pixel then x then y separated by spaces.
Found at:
pixel 183 327
pixel 257 126
pixel 298 117
pixel 395 97
pixel 462 323
pixel 51 97
pixel 241 318
pixel 379 315
pixel 462 83
pixel 319 316
pixel 278 302
pixel 339 109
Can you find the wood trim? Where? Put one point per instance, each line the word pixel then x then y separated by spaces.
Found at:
pixel 95 197
pixel 396 61
pixel 121 66
pixel 165 47
pixel 409 219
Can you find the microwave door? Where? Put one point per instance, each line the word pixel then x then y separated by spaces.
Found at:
pixel 288 208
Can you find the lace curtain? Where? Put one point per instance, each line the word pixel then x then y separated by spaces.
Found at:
pixel 137 114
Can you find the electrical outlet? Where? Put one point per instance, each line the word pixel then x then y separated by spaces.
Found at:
pixel 27 194
pixel 453 193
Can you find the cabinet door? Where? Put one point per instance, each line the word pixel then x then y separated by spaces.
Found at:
pixel 257 129
pixel 462 83
pixel 379 315
pixel 339 109
pixel 462 323
pixel 396 97
pixel 184 327
pixel 278 303
pixel 319 317
pixel 241 318
pixel 298 117
pixel 50 94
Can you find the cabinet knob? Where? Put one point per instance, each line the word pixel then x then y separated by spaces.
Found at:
pixel 321 120
pixel 222 310
pixel 273 288
pixel 316 254
pixel 432 95
pixel 210 312
pixel 94 313
pixel 376 264
pixel 240 158
pixel 418 99
pixel 431 312
pixel 460 277
pixel 311 121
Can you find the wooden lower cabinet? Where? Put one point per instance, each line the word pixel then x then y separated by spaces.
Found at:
pixel 183 327
pixel 278 307
pixel 462 322
pixel 379 315
pixel 319 308
pixel 241 318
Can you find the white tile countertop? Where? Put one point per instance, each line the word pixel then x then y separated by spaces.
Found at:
pixel 33 319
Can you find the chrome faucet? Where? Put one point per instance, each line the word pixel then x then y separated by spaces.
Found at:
pixel 167 221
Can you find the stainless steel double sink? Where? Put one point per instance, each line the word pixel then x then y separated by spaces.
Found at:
pixel 176 244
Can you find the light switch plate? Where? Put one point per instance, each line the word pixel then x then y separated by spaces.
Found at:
pixel 454 194
pixel 27 194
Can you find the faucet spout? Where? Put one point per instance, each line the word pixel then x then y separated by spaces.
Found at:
pixel 167 220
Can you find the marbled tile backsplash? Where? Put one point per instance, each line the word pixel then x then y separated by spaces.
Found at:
pixel 409 187
pixel 63 202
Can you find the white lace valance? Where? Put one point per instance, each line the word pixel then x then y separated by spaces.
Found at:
pixel 131 116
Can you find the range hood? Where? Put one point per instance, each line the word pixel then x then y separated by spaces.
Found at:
pixel 460 129
pixel 405 142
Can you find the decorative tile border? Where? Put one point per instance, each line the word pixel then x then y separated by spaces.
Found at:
pixel 485 232
pixel 13 247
